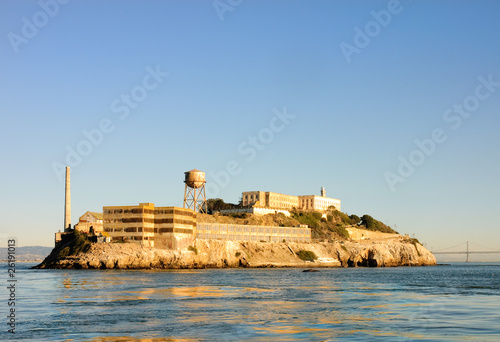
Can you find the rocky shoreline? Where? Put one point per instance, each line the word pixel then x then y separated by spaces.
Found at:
pixel 391 252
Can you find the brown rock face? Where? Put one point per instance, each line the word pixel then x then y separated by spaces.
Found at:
pixel 214 253
pixel 390 254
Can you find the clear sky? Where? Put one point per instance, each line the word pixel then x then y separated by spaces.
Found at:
pixel 393 107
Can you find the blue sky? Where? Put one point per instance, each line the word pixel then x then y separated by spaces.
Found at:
pixel 202 79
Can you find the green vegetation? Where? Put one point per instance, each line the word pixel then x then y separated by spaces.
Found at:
pixel 307 255
pixel 371 224
pixel 81 243
pixel 239 215
pixel 312 219
pixel 72 244
pixel 63 252
pixel 414 241
pixel 344 217
pixel 336 222
pixel 216 204
pixel 355 219
pixel 334 225
pixel 328 226
pixel 193 249
pixel 340 230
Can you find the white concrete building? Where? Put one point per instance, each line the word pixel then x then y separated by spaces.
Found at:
pixel 276 201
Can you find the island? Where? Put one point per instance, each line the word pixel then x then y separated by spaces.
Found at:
pixel 337 240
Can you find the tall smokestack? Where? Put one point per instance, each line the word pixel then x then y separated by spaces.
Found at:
pixel 67 204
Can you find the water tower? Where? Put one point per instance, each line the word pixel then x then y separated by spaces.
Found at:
pixel 194 193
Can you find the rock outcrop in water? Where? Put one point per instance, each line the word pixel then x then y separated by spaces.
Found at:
pixel 371 251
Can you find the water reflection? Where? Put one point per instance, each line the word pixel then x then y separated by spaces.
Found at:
pixel 259 305
pixel 134 339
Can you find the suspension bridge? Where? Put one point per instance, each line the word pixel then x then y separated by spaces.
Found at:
pixel 468 250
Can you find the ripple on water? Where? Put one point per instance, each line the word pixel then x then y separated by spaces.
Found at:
pixel 432 303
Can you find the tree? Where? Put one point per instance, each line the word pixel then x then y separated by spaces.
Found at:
pixel 371 224
pixel 355 219
pixel 217 204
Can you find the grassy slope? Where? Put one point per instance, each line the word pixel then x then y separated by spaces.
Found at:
pixel 331 228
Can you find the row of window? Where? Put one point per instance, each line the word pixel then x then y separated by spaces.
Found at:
pixel 150 212
pixel 148 230
pixel 129 211
pixel 264 238
pixel 150 220
pixel 132 230
pixel 128 238
pixel 281 231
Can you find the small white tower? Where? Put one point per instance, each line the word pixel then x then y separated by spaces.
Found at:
pixel 323 191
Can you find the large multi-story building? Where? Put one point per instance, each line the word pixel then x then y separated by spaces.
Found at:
pixel 269 200
pixel 161 227
pixel 281 201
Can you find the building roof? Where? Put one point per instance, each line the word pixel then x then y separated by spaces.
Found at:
pixel 98 216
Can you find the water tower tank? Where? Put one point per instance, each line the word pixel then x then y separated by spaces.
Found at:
pixel 194 178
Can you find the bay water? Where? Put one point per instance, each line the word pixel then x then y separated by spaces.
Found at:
pixel 454 302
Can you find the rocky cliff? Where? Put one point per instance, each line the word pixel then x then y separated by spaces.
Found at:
pixel 395 250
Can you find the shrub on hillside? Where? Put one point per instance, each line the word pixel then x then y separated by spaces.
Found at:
pixel 355 219
pixel 312 219
pixel 340 230
pixel 345 218
pixel 371 224
pixel 81 243
pixel 317 215
pixel 307 255
pixel 216 204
